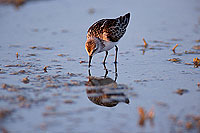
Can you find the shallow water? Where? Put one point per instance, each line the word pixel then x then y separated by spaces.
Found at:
pixel 53 33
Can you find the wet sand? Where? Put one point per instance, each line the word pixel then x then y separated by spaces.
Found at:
pixel 46 85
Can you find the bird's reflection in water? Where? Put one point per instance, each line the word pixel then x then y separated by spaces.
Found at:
pixel 105 91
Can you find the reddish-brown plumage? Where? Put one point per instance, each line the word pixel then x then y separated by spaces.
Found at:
pixel 90 46
pixel 114 29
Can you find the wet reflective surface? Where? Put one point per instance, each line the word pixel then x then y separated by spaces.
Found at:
pixel 105 91
pixel 46 85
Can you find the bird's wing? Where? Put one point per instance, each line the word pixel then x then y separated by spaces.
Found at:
pixel 114 29
pixel 96 29
pixel 109 29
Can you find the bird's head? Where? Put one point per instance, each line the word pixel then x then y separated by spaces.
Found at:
pixel 92 46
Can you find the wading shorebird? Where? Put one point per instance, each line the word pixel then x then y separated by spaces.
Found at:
pixel 104 35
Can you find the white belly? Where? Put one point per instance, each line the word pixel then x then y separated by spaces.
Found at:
pixel 108 46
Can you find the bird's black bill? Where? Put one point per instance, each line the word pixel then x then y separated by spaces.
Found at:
pixel 90 59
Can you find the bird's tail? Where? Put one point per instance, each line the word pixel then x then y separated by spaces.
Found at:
pixel 124 20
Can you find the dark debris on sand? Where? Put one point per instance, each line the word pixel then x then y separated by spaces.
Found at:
pixel 181 91
pixel 189 123
pixel 17 3
pixel 4 113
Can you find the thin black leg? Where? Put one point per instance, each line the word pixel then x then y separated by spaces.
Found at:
pixel 116 50
pixel 89 73
pixel 104 66
pixel 116 75
pixel 104 61
pixel 106 73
